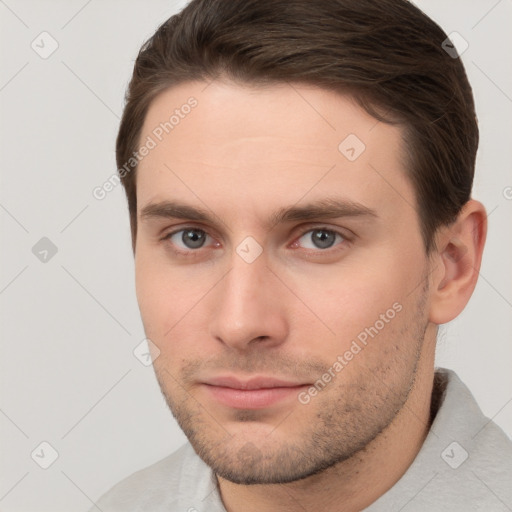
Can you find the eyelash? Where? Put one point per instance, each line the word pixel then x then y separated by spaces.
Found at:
pixel 191 253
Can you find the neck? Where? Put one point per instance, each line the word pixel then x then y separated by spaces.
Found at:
pixel 354 484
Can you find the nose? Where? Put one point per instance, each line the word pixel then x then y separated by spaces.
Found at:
pixel 250 307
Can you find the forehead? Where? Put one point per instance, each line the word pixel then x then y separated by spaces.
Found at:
pixel 254 146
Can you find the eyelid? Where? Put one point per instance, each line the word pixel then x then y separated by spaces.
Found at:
pixel 313 253
pixel 346 233
pixel 167 233
pixel 303 230
pixel 179 252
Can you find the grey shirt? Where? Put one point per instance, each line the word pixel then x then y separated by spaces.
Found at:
pixel 465 464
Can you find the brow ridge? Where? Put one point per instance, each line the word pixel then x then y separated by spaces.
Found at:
pixel 327 208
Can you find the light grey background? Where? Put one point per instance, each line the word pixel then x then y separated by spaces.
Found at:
pixel 69 325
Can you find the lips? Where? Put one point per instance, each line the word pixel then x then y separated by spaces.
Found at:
pixel 252 393
pixel 251 383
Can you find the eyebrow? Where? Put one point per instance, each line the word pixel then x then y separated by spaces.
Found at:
pixel 327 208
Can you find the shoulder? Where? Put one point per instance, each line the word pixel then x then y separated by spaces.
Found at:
pixel 464 464
pixel 157 487
pixel 476 454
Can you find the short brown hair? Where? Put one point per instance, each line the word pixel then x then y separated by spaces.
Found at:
pixel 386 54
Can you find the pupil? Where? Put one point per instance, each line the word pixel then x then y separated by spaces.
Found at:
pixel 193 238
pixel 323 239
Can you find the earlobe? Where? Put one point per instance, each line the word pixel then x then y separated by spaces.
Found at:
pixel 459 256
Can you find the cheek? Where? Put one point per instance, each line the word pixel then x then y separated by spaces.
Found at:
pixel 168 298
pixel 354 302
pixel 156 289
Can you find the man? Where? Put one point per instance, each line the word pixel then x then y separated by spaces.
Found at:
pixel 299 179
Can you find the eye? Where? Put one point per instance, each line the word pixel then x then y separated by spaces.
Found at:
pixel 320 238
pixel 188 238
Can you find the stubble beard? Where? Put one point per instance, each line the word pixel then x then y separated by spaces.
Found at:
pixel 346 418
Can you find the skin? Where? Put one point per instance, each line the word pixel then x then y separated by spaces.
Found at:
pixel 242 154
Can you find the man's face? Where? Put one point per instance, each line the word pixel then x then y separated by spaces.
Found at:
pixel 323 314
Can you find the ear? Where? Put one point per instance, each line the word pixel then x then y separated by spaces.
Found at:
pixel 456 262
